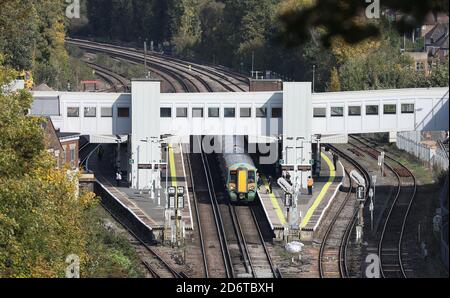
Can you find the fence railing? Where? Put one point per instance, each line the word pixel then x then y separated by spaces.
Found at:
pixel 436 157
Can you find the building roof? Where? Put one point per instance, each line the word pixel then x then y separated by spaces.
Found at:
pixel 42 87
pixel 439 32
pixel 67 135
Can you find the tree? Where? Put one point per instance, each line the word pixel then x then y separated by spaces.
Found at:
pixel 339 18
pixel 335 84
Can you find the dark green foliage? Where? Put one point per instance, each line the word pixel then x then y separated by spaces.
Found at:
pixel 230 32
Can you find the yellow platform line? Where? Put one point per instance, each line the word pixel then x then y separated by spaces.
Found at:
pixel 173 170
pixel 274 201
pixel 322 192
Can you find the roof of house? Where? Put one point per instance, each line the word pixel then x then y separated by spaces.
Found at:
pixel 42 87
pixel 439 32
pixel 67 135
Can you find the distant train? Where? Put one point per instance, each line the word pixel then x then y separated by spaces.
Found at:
pixel 27 77
pixel 238 171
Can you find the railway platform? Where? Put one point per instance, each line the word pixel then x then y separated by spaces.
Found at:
pixel 149 211
pixel 311 209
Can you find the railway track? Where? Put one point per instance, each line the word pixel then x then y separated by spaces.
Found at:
pixel 225 230
pixel 335 246
pixel 212 240
pixel 117 82
pixel 199 78
pixel 391 244
pixel 156 265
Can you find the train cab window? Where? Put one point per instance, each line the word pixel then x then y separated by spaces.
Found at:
pixel 246 112
pixel 261 112
pixel 229 112
pixel 106 112
pixel 337 111
pixel 407 108
pixel 233 177
pixel 197 112
pixel 213 112
pixel 165 112
pixel 371 110
pixel 320 112
pixel 182 112
pixel 73 112
pixel 90 112
pixel 354 110
pixel 123 112
pixel 277 112
pixel 251 177
pixel 390 109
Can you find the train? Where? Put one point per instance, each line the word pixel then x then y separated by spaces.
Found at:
pixel 238 171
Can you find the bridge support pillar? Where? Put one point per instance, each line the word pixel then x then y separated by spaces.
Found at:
pixel 297 132
pixel 145 133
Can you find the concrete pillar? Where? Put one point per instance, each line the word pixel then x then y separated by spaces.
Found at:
pixel 392 137
pixel 297 130
pixel 145 131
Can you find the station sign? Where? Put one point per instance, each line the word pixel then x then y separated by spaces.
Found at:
pixel 287 168
pixel 152 166
pixel 142 166
pixel 304 168
pixel 161 166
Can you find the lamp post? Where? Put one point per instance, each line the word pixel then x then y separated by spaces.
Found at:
pixel 314 78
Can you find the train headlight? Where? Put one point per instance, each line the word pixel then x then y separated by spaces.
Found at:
pixel 252 188
pixel 232 188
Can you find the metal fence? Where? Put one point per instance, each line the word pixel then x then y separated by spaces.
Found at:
pixel 436 157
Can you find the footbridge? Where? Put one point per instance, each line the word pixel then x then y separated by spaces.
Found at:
pixel 295 117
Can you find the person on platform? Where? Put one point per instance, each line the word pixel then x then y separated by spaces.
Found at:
pixel 118 178
pixel 270 182
pixel 335 160
pixel 310 185
pixel 259 181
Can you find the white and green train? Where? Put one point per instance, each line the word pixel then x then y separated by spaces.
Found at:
pixel 239 172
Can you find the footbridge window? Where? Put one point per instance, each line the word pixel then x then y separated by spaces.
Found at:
pixel 73 112
pixel 182 112
pixel 277 112
pixel 213 112
pixel 229 112
pixel 197 112
pixel 337 111
pixel 106 112
pixel 320 112
pixel 390 109
pixel 90 112
pixel 166 113
pixel 407 108
pixel 123 112
pixel 354 111
pixel 261 112
pixel 246 112
pixel 371 110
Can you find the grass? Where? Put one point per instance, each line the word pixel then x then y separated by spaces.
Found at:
pixel 110 253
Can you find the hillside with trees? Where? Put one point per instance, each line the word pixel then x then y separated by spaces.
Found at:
pixel 229 32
